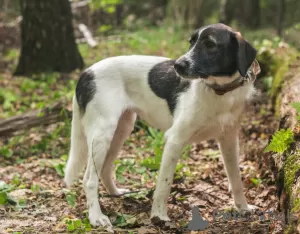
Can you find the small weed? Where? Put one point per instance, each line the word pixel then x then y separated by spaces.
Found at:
pixel 125 165
pixel 59 165
pixel 70 197
pixel 124 220
pixel 6 151
pixel 4 194
pixel 256 181
pixel 35 188
pixel 77 225
pixel 156 142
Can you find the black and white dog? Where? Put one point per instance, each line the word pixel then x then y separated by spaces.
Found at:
pixel 200 96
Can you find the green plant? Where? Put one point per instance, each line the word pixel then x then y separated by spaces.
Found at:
pixel 70 197
pixel 123 166
pixel 281 141
pixel 107 5
pixel 282 138
pixel 6 152
pixel 59 165
pixel 124 220
pixel 256 181
pixel 155 143
pixel 296 105
pixel 80 226
pixel 4 194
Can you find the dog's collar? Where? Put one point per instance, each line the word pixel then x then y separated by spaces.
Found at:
pixel 222 89
pixel 238 82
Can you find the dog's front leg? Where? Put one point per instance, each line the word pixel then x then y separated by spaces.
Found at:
pixel 229 146
pixel 171 154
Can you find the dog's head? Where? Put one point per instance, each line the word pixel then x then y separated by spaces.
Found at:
pixel 215 51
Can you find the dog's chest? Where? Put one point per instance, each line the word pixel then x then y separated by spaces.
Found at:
pixel 212 115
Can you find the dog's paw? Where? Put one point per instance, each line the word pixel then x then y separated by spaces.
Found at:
pixel 101 220
pixel 229 188
pixel 121 191
pixel 247 207
pixel 159 219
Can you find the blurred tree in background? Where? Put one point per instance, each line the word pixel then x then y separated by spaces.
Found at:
pixel 48 42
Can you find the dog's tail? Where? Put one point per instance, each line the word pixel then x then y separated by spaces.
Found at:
pixel 78 152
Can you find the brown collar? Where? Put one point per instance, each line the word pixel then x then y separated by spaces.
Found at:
pixel 222 89
pixel 238 82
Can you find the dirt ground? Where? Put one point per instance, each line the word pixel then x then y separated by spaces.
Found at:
pixel 206 187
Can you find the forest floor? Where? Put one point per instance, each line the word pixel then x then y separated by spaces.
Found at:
pixel 32 164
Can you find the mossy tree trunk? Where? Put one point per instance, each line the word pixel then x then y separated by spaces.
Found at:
pixel 288 163
pixel 48 42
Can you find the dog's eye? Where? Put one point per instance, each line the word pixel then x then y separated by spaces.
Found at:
pixel 210 44
pixel 193 39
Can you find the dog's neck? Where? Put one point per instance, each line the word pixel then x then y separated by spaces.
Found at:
pixel 220 86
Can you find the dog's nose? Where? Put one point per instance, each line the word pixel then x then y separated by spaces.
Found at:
pixel 181 66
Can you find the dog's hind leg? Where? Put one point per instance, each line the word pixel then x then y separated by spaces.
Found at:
pixel 99 134
pixel 125 127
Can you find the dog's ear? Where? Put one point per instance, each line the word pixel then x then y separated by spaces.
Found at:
pixel 256 67
pixel 246 54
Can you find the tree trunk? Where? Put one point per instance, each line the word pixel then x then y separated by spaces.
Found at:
pixel 280 16
pixel 250 13
pixel 187 13
pixel 227 11
pixel 48 42
pixel 287 164
pixel 119 14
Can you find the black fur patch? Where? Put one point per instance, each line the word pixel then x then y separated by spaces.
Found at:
pixel 166 84
pixel 85 89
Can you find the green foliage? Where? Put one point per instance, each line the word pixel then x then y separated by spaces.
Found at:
pixel 296 105
pixel 256 181
pixel 107 5
pixel 125 165
pixel 4 194
pixel 124 220
pixel 78 226
pixel 281 141
pixel 7 98
pixel 35 188
pixel 59 165
pixel 70 197
pixel 157 141
pixel 6 151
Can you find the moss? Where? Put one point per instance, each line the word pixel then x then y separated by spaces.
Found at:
pixel 291 229
pixel 291 167
pixel 296 205
pixel 279 78
pixel 268 62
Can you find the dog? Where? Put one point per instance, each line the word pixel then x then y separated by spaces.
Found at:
pixel 197 97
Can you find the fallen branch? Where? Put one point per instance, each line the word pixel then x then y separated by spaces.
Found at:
pixel 87 35
pixel 43 117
